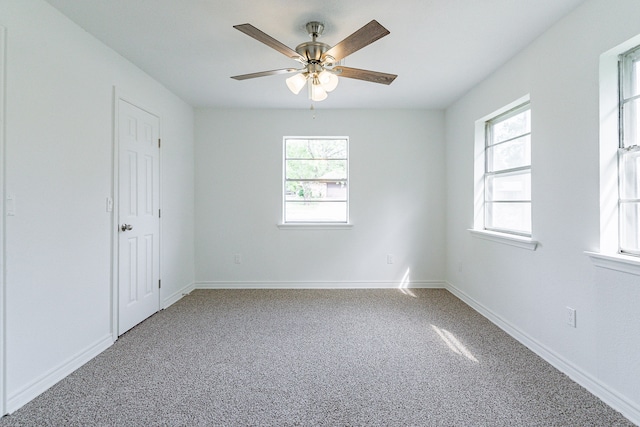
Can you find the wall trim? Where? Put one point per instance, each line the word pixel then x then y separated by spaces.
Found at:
pixel 593 385
pixel 177 295
pixel 305 284
pixel 616 262
pixel 115 194
pixel 314 226
pixel 50 378
pixel 507 239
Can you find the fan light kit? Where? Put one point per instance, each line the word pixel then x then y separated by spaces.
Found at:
pixel 320 61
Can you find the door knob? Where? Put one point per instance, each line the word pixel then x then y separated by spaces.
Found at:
pixel 126 227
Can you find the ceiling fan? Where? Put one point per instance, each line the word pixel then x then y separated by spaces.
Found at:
pixel 320 61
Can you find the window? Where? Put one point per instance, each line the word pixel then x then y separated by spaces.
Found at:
pixel 507 172
pixel 316 174
pixel 619 100
pixel 629 152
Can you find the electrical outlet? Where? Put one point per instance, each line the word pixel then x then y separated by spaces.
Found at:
pixel 389 259
pixel 571 317
pixel 237 259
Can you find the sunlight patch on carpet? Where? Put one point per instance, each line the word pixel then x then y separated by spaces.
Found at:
pixel 453 343
pixel 404 284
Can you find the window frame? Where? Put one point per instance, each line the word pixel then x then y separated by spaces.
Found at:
pixel 628 145
pixel 489 125
pixel 607 254
pixel 315 223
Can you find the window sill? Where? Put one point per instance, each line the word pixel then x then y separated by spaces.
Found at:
pixel 617 262
pixel 507 239
pixel 314 226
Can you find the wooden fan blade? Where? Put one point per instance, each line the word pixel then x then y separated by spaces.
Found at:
pixel 264 73
pixel 367 75
pixel 356 41
pixel 252 31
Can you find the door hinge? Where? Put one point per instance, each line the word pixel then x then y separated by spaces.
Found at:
pixel 159 213
pixel 159 143
pixel 159 284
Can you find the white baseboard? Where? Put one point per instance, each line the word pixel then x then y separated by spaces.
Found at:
pixel 16 400
pixel 176 296
pixel 597 388
pixel 427 284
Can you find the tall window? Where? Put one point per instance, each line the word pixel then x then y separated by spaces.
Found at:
pixel 507 176
pixel 316 174
pixel 629 153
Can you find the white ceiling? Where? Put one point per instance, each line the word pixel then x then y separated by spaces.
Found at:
pixel 438 48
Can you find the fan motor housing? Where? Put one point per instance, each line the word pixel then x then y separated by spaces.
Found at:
pixel 312 51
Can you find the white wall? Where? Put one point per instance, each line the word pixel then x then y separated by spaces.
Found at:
pixel 396 200
pixel 527 291
pixel 59 142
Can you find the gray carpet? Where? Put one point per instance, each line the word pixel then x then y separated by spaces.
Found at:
pixel 316 358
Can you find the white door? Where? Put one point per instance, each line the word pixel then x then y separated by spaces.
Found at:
pixel 139 216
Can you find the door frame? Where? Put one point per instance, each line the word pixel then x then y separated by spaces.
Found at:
pixel 3 295
pixel 115 198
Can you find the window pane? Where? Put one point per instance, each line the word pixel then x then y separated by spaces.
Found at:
pixel 316 148
pixel 315 211
pixel 507 192
pixel 630 175
pixel 511 127
pixel 310 190
pixel 316 169
pixel 508 155
pixel 511 217
pixel 631 123
pixel 629 155
pixel 629 228
pixel 631 74
pixel 635 76
pixel 509 186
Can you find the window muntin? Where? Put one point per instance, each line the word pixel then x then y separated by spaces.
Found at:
pixel 629 153
pixel 316 174
pixel 507 177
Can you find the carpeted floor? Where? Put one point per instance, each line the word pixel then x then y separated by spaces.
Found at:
pixel 316 358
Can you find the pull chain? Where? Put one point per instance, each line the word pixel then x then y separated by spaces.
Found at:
pixel 313 111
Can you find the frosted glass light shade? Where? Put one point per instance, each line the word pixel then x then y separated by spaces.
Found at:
pixel 296 83
pixel 329 80
pixel 318 93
